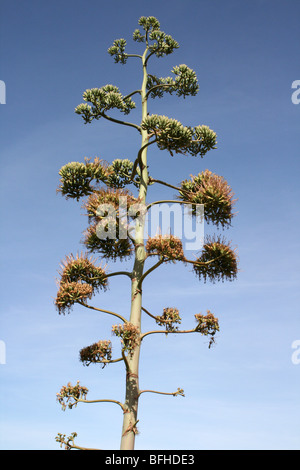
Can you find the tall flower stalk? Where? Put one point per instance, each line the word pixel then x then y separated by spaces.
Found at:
pixel 102 185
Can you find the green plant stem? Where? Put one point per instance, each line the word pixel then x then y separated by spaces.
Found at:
pixel 165 85
pixel 131 94
pixel 154 180
pixel 117 273
pixel 169 201
pixel 174 394
pixel 104 311
pixel 138 160
pixel 118 121
pixel 134 55
pixel 81 400
pixel 156 265
pixel 150 314
pixel 166 332
pixel 132 366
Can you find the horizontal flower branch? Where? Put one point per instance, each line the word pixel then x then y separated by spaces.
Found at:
pixel 206 324
pixel 103 310
pixel 68 442
pixel 174 394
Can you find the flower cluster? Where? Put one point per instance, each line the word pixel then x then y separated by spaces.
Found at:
pixel 80 278
pixel 70 293
pixel 69 395
pixel 207 325
pixel 218 261
pixel 103 99
pixel 82 268
pixel 68 442
pixel 168 319
pixel 76 178
pixel 129 335
pixel 185 83
pixel 163 43
pixel 119 173
pixel 171 135
pixel 99 352
pixel 107 234
pixel 79 179
pixel 110 248
pixel 105 202
pixel 167 246
pixel 117 50
pixel 214 192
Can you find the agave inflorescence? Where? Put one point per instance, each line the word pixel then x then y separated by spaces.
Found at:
pixel 214 193
pixel 166 246
pixel 217 262
pixel 99 352
pixel 80 278
pixel 110 207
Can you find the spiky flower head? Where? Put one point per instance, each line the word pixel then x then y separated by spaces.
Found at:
pixel 71 292
pixel 99 352
pixel 108 201
pixel 167 246
pixel 82 268
pixel 79 279
pixel 214 192
pixel 218 261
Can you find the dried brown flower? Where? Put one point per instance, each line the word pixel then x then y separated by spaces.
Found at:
pixel 71 292
pixel 168 319
pixel 70 395
pixel 114 198
pixel 218 261
pixel 129 335
pixel 99 352
pixel 207 325
pixel 168 246
pixel 109 248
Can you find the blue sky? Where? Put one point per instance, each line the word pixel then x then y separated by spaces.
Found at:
pixel 244 392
